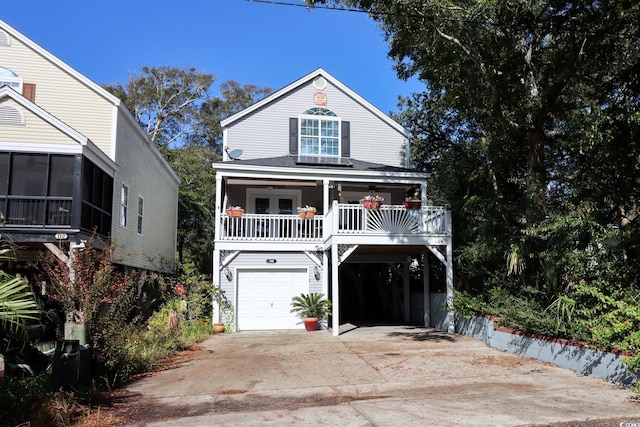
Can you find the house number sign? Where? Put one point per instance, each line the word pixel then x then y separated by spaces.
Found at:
pixel 271 261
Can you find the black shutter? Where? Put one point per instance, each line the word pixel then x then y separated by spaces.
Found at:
pixel 293 136
pixel 346 137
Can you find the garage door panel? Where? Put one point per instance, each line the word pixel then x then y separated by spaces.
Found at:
pixel 264 298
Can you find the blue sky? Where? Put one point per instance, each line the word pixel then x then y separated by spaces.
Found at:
pixel 246 41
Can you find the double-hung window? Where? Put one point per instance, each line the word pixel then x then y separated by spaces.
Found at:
pixel 319 133
pixel 124 204
pixel 140 208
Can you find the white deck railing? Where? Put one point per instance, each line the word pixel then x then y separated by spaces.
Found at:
pixel 340 219
pixel 256 227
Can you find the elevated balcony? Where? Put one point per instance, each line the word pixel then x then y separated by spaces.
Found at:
pixel 341 221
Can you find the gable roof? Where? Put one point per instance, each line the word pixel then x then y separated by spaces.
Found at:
pixel 55 60
pixel 303 81
pixel 97 155
pixel 93 86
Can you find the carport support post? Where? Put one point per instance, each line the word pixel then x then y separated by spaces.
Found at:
pixel 406 292
pixel 449 266
pixel 426 293
pixel 335 292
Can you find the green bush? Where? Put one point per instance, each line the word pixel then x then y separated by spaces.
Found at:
pixel 21 398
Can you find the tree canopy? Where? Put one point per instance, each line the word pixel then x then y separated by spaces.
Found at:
pixel 177 110
pixel 529 122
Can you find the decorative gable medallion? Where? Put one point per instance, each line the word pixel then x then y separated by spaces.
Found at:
pixel 320 98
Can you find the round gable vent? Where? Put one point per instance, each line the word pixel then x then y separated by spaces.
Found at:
pixel 320 82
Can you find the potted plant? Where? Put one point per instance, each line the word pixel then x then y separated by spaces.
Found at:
pixel 371 202
pixel 234 211
pixel 307 211
pixel 312 308
pixel 225 310
pixel 413 203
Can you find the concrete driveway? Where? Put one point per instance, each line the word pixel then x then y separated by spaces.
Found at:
pixel 378 376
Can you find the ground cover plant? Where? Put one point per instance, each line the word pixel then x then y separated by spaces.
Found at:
pixel 134 329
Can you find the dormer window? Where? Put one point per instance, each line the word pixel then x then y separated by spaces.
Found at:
pixel 11 79
pixel 319 133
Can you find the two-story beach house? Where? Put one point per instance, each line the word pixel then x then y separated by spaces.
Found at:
pixel 73 161
pixel 317 143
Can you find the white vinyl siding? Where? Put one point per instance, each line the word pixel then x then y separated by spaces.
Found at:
pixel 372 139
pixel 62 95
pixel 145 174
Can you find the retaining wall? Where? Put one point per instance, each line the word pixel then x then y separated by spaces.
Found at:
pixel 563 353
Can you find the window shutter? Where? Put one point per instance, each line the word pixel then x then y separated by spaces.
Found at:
pixel 346 139
pixel 293 136
pixel 29 91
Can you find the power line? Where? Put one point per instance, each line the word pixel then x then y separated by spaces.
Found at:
pixel 306 6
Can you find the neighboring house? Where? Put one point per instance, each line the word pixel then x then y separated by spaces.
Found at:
pixel 316 142
pixel 74 160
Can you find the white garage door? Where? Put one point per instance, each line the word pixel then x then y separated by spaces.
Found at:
pixel 264 298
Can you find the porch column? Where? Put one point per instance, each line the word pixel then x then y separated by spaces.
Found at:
pixel 407 292
pixel 426 292
pixel 449 267
pixel 335 292
pixel 325 274
pixel 326 203
pixel 216 282
pixel 218 209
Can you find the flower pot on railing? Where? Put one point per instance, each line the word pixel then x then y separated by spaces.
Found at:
pixel 235 212
pixel 412 205
pixel 307 212
pixel 370 204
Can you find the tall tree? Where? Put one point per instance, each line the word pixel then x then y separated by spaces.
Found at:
pixel 196 202
pixel 529 122
pixel 176 109
pixel 165 101
pixel 232 99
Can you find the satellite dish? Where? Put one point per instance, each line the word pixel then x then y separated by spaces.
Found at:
pixel 234 154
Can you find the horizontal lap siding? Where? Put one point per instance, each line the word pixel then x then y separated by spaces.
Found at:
pixel 36 130
pixel 145 176
pixel 61 95
pixel 265 132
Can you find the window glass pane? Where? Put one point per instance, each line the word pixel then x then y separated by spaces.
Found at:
pixel 29 175
pixel 124 200
pixel 61 181
pixel 262 205
pixel 140 206
pixel 319 136
pixel 4 173
pixel 285 206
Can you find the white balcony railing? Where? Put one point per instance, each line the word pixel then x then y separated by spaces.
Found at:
pixel 340 219
pixel 255 227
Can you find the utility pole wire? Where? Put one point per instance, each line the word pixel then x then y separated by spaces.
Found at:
pixel 306 6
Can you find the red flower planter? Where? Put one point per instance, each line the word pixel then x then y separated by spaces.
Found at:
pixel 370 204
pixel 412 205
